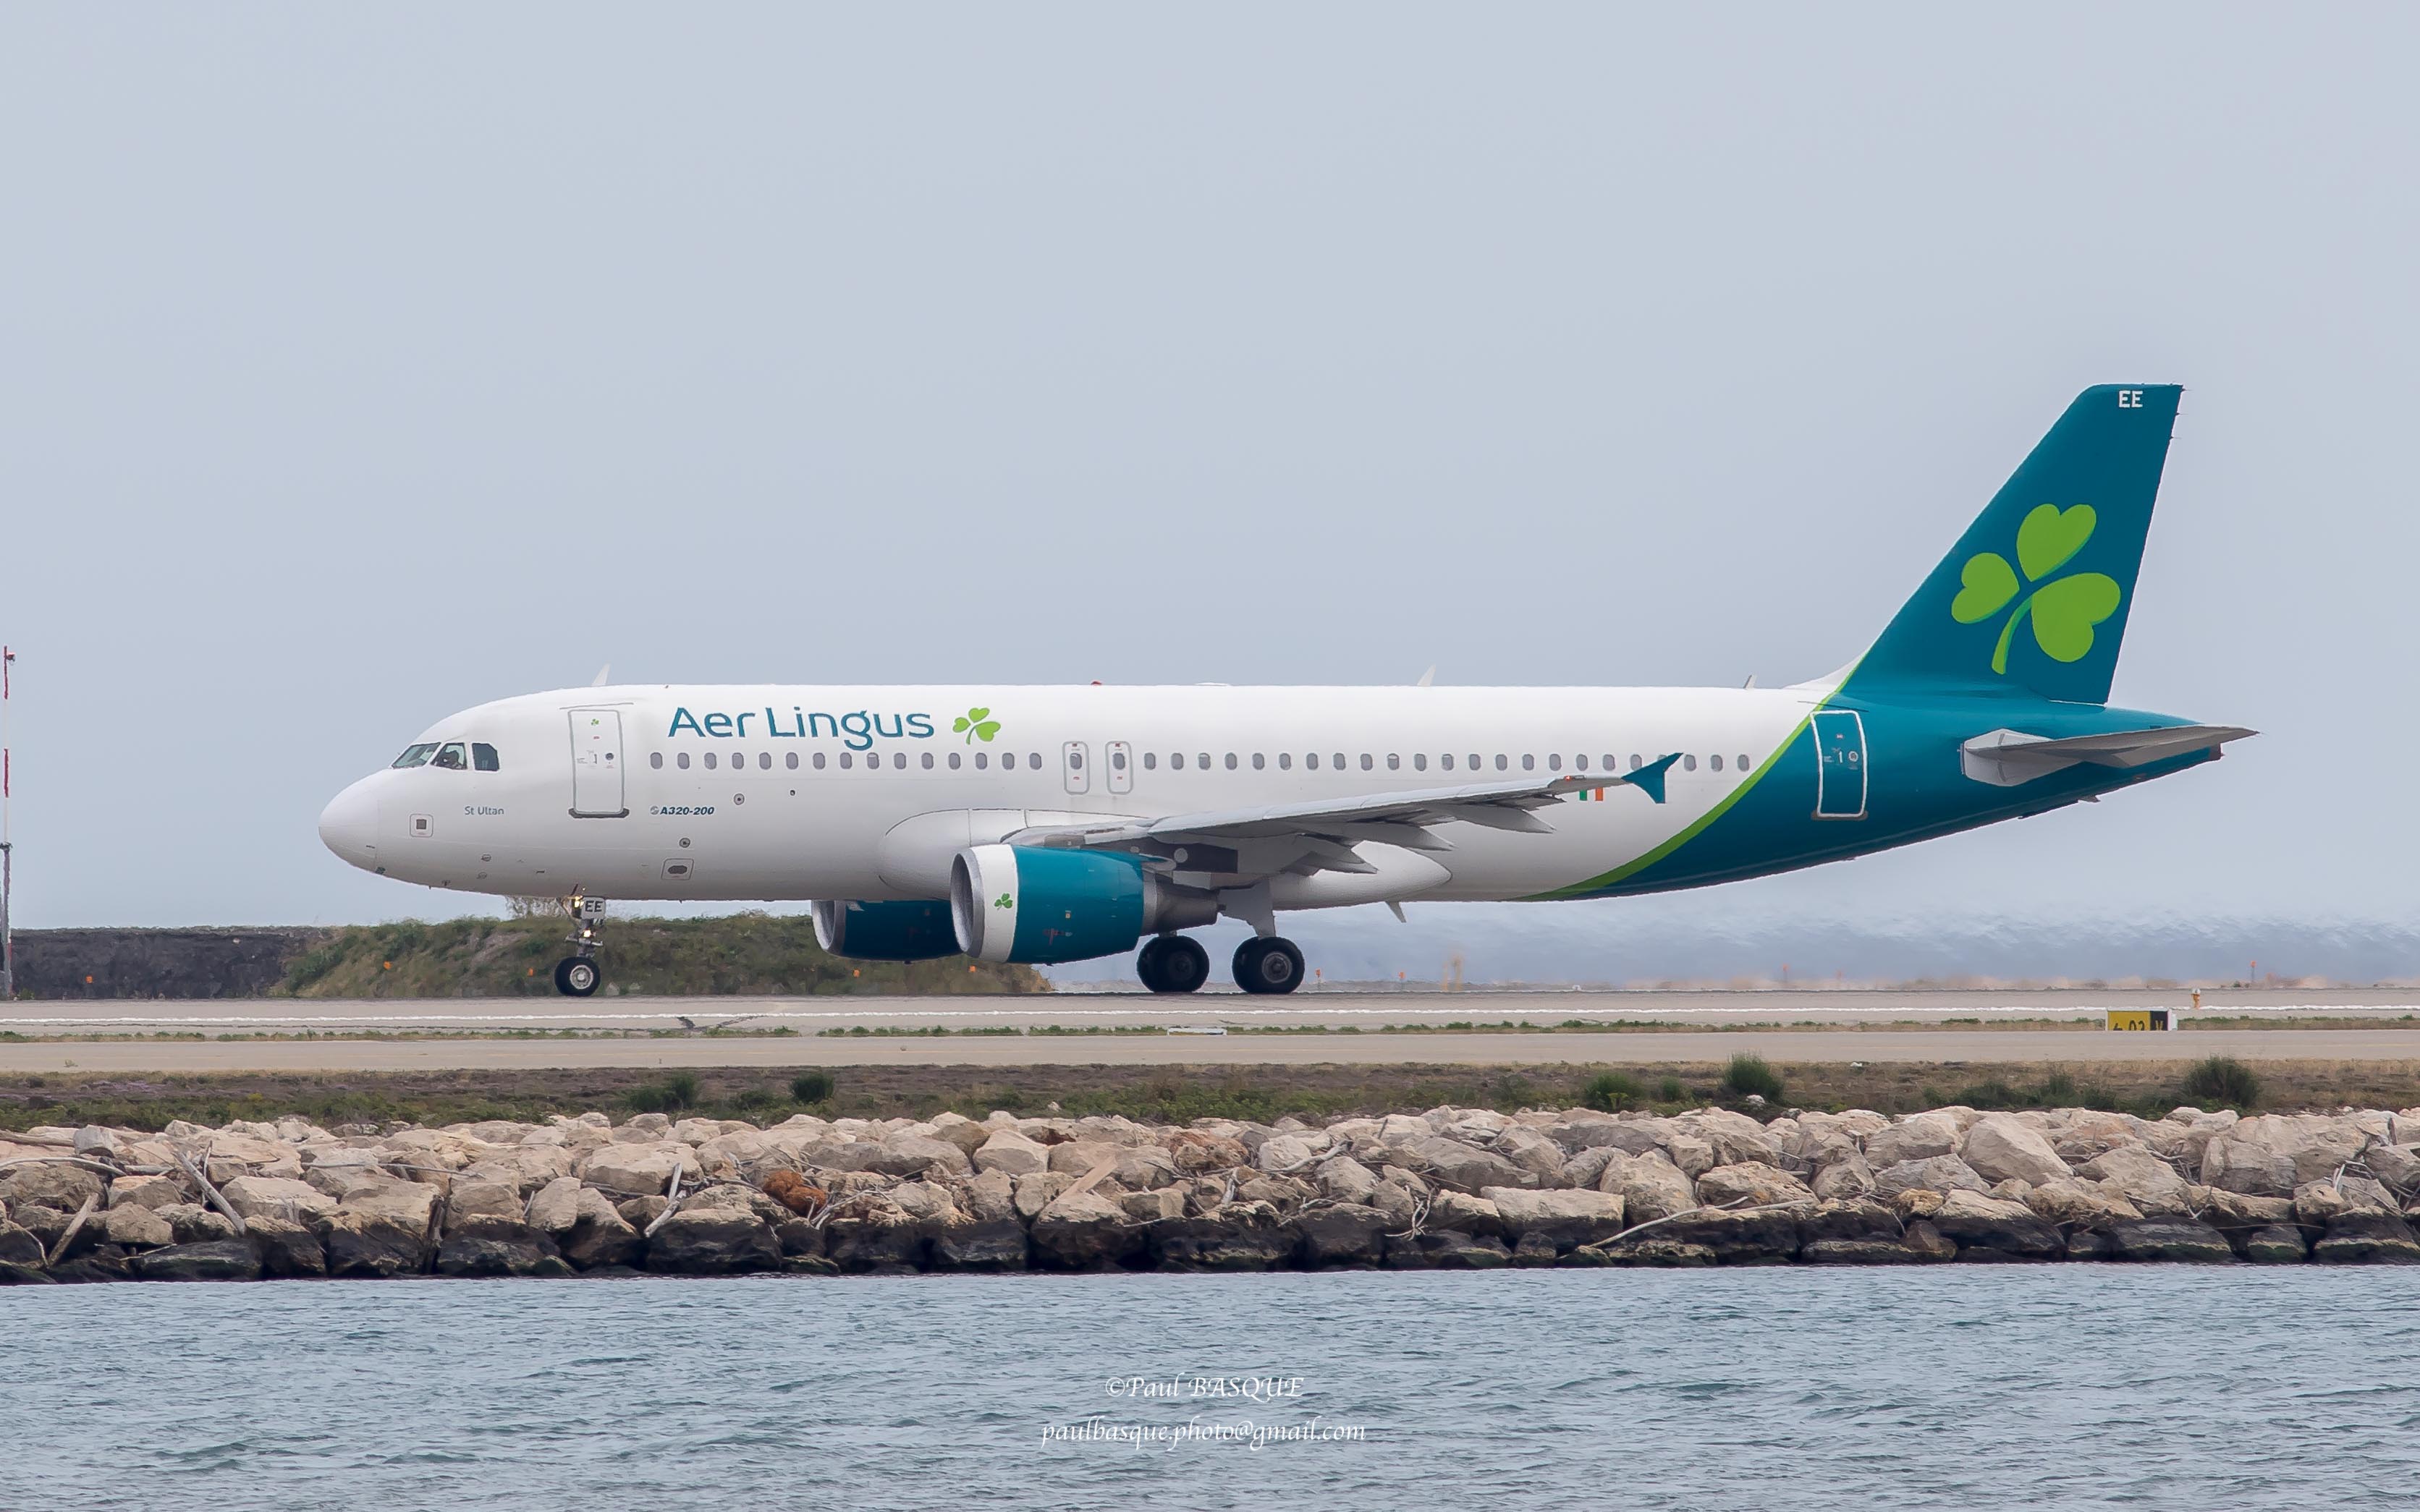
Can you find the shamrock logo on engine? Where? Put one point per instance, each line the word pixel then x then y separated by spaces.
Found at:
pixel 2063 610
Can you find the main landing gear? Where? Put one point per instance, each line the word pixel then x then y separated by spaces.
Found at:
pixel 1172 964
pixel 1268 963
pixel 577 974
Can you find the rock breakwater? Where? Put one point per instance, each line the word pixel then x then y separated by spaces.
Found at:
pixel 1451 1188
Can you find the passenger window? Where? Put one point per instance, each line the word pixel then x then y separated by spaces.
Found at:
pixel 819 760
pixel 1260 762
pixel 1176 761
pixel 451 756
pixel 1634 761
pixel 483 756
pixel 1008 761
pixel 1151 761
pixel 1117 760
pixel 1446 761
pixel 1715 761
pixel 1612 765
pixel 1743 763
pixel 1075 761
pixel 983 760
pixel 1502 762
pixel 1474 761
pixel 1285 761
pixel 899 761
pixel 1310 761
pixel 1394 763
pixel 1579 763
pixel 1230 760
pixel 1419 762
pixel 790 760
pixel 739 761
pixel 1340 761
pixel 1528 764
pixel 681 761
pixel 416 755
pixel 954 760
pixel 763 760
pixel 656 760
pixel 928 760
pixel 1203 759
pixel 1554 763
pixel 709 761
pixel 1688 763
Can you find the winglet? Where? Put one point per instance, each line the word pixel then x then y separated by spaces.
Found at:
pixel 1649 777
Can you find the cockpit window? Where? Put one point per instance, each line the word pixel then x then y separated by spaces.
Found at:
pixel 452 757
pixel 416 755
pixel 483 756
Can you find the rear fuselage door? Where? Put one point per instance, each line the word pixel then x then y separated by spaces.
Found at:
pixel 1840 770
pixel 596 764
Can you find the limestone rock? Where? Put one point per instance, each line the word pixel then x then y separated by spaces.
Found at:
pixel 600 1237
pixel 1920 1136
pixel 2277 1245
pixel 642 1170
pixel 1766 1237
pixel 1448 1251
pixel 2169 1239
pixel 1197 1151
pixel 405 1204
pixel 152 1192
pixel 1242 1236
pixel 286 1248
pixel 1586 1168
pixel 1084 1230
pixel 1008 1151
pixel 473 1196
pixel 556 1206
pixel 1453 1163
pixel 372 1244
pixel 713 1242
pixel 1872 1251
pixel 194 1223
pixel 2000 1146
pixel 1751 1183
pixel 2148 1182
pixel 1928 1244
pixel 2070 1201
pixel 990 1197
pixel 2234 1211
pixel 1530 1152
pixel 1937 1173
pixel 483 1244
pixel 48 1184
pixel 1286 1153
pixel 1734 1138
pixel 1854 1218
pixel 1980 1222
pixel 1693 1155
pixel 1149 1207
pixel 218 1260
pixel 137 1227
pixel 912 1154
pixel 1345 1234
pixel 2367 1238
pixel 258 1197
pixel 1283 1192
pixel 1344 1178
pixel 1650 1186
pixel 1850 1176
pixel 1037 1192
pixel 1566 1219
pixel 2271 1155
pixel 1457 1212
pixel 984 1244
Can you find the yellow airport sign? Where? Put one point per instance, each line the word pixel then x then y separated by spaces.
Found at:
pixel 2139 1018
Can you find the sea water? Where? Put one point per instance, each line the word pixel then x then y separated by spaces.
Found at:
pixel 2069 1386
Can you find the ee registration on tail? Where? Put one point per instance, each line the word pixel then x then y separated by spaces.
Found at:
pixel 1049 825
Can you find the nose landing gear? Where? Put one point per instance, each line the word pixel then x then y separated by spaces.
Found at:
pixel 1172 964
pixel 578 975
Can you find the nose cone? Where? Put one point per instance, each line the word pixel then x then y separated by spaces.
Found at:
pixel 349 826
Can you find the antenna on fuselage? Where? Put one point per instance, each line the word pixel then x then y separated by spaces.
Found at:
pixel 602 672
pixel 1428 679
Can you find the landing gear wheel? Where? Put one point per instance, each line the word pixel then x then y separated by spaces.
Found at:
pixel 1172 964
pixel 1268 965
pixel 577 976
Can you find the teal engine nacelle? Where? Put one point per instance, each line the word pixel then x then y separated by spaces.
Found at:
pixel 1042 904
pixel 916 930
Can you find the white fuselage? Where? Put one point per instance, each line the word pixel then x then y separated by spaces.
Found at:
pixel 775 793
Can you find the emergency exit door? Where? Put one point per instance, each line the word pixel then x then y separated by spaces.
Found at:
pixel 596 764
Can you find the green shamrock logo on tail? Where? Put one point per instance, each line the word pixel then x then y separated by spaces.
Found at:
pixel 976 724
pixel 2063 610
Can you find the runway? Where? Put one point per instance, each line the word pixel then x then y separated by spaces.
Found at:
pixel 1946 1047
pixel 1361 1011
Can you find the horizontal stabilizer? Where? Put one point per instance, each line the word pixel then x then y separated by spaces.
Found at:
pixel 2005 758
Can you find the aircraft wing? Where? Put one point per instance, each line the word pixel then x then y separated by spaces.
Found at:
pixel 2005 758
pixel 1320 835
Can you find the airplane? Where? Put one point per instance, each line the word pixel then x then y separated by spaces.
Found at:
pixel 1046 825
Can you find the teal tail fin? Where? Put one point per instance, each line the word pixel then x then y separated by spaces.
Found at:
pixel 2035 596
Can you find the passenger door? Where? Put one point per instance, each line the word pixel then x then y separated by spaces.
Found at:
pixel 1075 761
pixel 596 764
pixel 1121 758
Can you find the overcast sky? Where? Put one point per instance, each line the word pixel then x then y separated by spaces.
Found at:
pixel 358 365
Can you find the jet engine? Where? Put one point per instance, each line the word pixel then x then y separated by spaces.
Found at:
pixel 1043 904
pixel 914 931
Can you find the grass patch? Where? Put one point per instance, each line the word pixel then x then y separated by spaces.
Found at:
pixel 1749 1076
pixel 1610 1092
pixel 2225 1081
